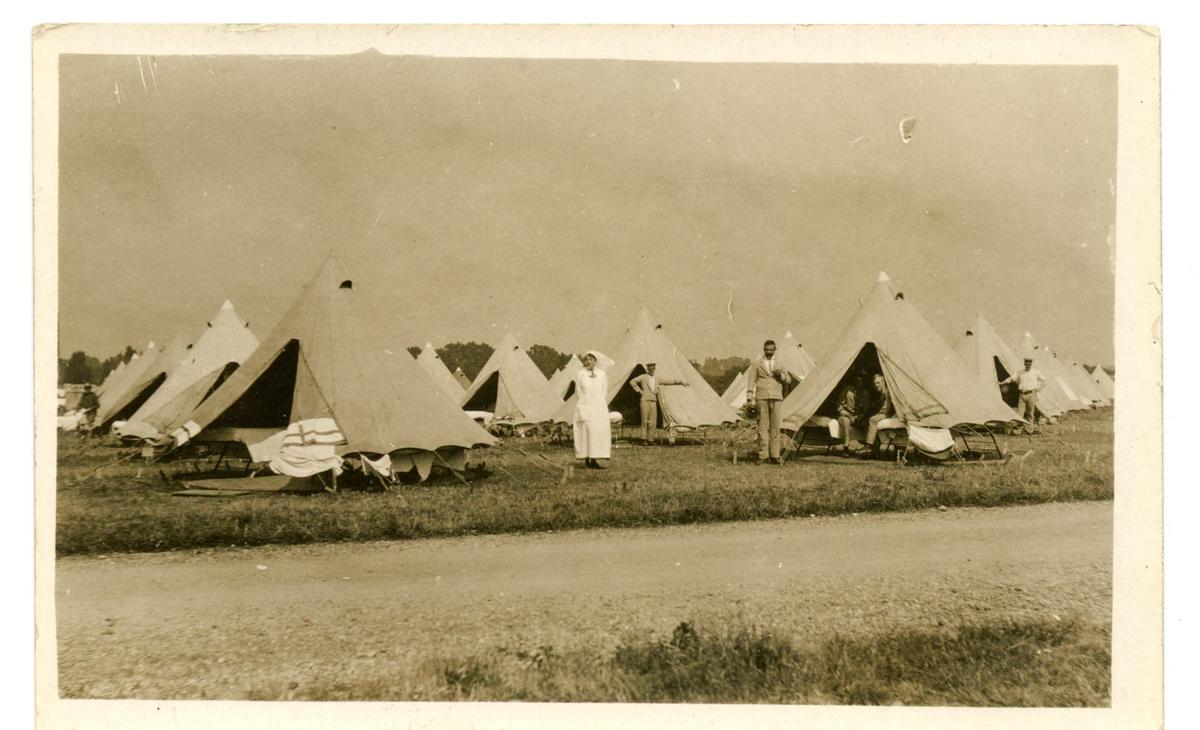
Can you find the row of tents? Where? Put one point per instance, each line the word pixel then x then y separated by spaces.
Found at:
pixel 323 384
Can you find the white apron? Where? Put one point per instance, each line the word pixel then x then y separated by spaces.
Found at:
pixel 593 432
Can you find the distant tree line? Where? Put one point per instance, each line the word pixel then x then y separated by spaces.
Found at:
pixel 719 372
pixel 81 367
pixel 472 356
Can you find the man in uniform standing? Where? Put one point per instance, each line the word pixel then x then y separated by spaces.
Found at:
pixel 88 405
pixel 765 390
pixel 647 385
pixel 1029 381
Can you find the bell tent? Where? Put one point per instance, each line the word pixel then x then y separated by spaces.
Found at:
pixel 113 376
pixel 563 380
pixel 140 383
pixel 1105 382
pixel 511 387
pixel 794 356
pixel 323 384
pixel 116 385
pixel 693 407
pixel 1087 385
pixel 462 379
pixel 928 383
pixel 226 342
pixel 984 353
pixel 1058 383
pixel 431 362
pixel 735 393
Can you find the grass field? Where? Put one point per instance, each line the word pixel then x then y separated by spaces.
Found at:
pixel 104 506
pixel 1013 664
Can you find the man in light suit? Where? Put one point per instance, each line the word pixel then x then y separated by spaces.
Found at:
pixel 765 389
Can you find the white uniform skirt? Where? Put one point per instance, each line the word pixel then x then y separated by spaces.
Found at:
pixel 593 433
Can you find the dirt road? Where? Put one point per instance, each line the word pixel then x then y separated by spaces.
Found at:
pixel 243 622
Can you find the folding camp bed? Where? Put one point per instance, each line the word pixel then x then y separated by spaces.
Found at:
pixel 901 439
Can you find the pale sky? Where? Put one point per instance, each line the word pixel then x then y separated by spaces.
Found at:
pixel 556 197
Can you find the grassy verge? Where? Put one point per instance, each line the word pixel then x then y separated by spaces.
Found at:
pixel 127 507
pixel 1030 664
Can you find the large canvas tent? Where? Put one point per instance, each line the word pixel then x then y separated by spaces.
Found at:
pixel 326 383
pixel 795 356
pixel 790 355
pixel 928 383
pixel 1104 382
pixel 645 342
pixel 735 393
pixel 511 387
pixel 986 354
pixel 140 383
pixel 462 379
pixel 1087 385
pixel 1058 383
pixel 431 362
pixel 115 385
pixel 226 342
pixel 564 378
pixel 113 376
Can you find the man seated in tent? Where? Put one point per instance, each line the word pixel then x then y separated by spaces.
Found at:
pixel 849 413
pixel 646 385
pixel 1029 382
pixel 884 409
pixel 88 405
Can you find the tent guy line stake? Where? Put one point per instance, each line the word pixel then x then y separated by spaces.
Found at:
pixel 106 465
pixel 527 455
pixel 453 470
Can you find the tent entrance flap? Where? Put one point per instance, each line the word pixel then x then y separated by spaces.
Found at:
pixel 628 402
pixel 221 378
pixel 1009 392
pixel 486 396
pixel 268 402
pixel 132 406
pixel 866 366
pixel 912 401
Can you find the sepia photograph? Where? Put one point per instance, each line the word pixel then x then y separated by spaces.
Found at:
pixel 396 368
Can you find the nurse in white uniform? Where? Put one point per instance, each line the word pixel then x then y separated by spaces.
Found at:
pixel 593 432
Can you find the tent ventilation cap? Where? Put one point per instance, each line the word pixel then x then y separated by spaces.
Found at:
pixel 347 284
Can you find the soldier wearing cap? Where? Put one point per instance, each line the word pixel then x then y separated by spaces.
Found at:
pixel 88 405
pixel 1029 381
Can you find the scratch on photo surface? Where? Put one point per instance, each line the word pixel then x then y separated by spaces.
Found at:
pixel 729 305
pixel 153 77
pixel 858 139
pixel 117 91
pixel 907 125
pixel 142 74
pixel 375 222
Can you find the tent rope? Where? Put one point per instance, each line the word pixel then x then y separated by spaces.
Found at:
pixel 565 470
